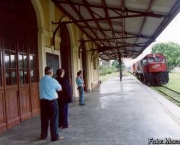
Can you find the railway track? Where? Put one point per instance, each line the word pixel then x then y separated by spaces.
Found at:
pixel 175 95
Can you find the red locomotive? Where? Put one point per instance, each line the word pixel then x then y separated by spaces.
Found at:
pixel 152 69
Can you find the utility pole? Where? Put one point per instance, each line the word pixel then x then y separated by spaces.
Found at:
pixel 120 66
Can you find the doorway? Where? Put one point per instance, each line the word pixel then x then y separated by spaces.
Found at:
pixel 19 99
pixel 65 53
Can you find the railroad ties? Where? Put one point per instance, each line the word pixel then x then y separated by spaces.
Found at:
pixel 175 95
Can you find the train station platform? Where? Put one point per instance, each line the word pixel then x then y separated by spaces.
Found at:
pixel 116 113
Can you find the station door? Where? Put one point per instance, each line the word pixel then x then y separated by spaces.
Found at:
pixel 19 72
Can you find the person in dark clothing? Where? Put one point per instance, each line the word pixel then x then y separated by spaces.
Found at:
pixel 64 97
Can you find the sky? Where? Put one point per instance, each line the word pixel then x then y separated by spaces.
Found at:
pixel 170 34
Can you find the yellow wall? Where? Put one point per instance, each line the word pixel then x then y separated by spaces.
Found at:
pixel 46 13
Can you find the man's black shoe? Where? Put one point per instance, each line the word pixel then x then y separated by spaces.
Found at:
pixel 82 104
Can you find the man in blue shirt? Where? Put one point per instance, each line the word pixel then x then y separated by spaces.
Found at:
pixel 48 88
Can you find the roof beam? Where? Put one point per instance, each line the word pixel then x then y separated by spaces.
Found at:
pixel 105 48
pixel 145 18
pixel 107 15
pixel 90 11
pixel 82 18
pixel 120 32
pixel 109 39
pixel 104 19
pixel 71 17
pixel 108 7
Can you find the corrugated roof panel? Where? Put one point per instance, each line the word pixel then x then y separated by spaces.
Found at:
pixel 99 34
pixel 79 1
pixel 130 40
pixel 163 7
pixel 85 13
pixel 151 25
pixel 139 20
pixel 137 4
pixel 99 12
pixel 142 40
pixel 92 24
pixel 108 33
pixel 104 24
pixel 112 13
pixel 133 24
pixel 89 32
pixel 106 43
pixel 82 24
pixel 164 3
pixel 69 9
pixel 96 2
pixel 114 3
pixel 117 28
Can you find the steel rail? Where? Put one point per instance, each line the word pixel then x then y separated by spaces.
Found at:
pixel 172 91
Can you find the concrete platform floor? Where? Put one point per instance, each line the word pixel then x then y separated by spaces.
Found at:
pixel 126 113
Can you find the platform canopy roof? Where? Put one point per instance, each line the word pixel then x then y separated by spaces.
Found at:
pixel 125 27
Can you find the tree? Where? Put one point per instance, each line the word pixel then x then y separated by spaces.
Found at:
pixel 171 51
pixel 116 64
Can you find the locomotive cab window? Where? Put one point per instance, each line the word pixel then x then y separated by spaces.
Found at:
pixel 150 59
pixel 157 59
pixel 144 61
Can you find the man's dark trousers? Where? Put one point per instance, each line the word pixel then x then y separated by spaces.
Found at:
pixel 49 113
pixel 63 115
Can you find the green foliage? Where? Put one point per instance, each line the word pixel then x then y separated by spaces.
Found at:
pixel 116 64
pixel 106 70
pixel 171 51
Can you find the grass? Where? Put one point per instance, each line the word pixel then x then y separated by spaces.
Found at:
pixel 115 74
pixel 174 81
pixel 106 77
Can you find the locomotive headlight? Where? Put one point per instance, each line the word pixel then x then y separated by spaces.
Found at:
pixel 156 66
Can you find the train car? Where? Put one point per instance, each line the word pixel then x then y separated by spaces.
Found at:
pixel 152 69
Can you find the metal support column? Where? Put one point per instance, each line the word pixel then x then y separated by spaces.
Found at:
pixel 120 67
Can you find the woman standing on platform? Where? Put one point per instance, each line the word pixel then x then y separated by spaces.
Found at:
pixel 80 84
pixel 64 97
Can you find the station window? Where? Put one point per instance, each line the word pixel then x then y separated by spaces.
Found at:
pixel 23 68
pixel 33 68
pixel 11 70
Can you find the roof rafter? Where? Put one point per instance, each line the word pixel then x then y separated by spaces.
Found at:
pixel 71 17
pixel 108 7
pixel 81 17
pixel 109 39
pixel 118 26
pixel 104 19
pixel 145 18
pixel 90 11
